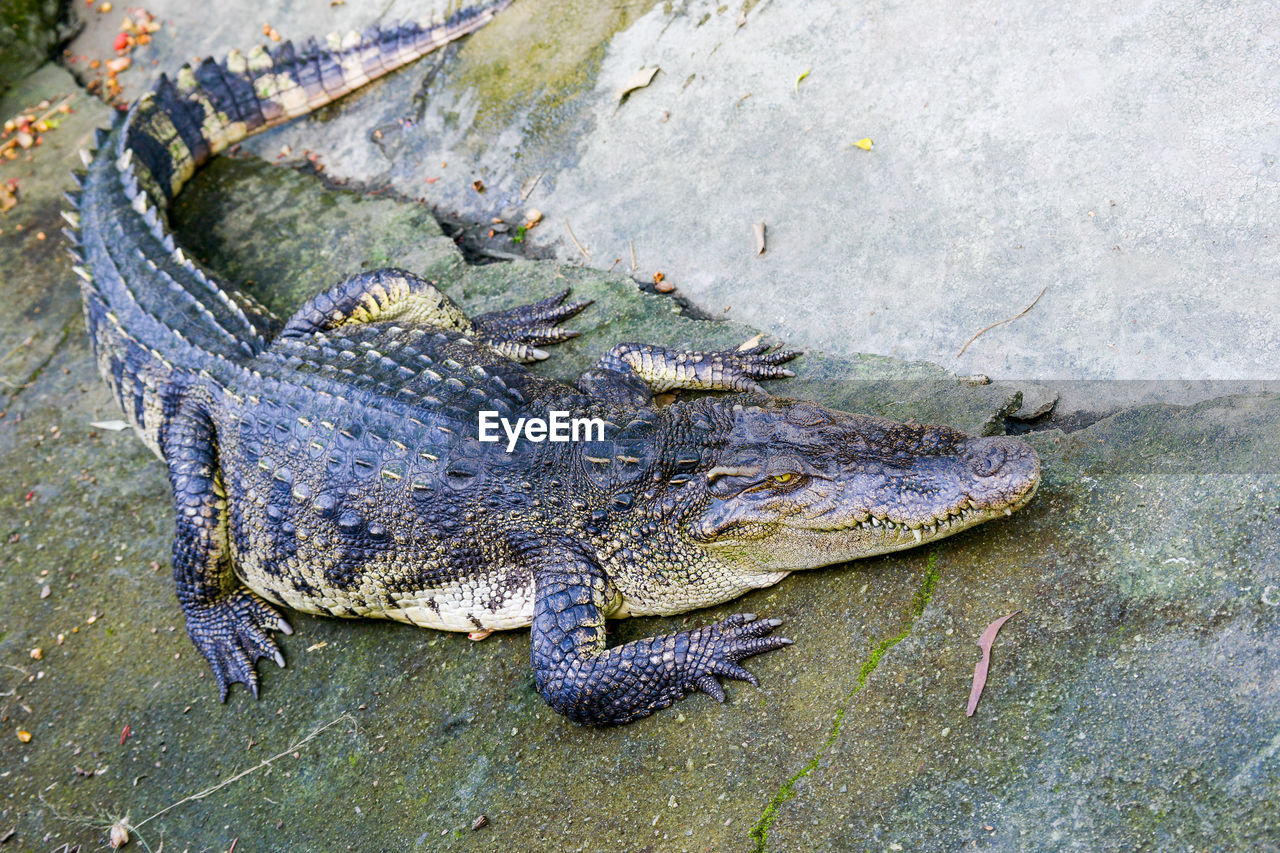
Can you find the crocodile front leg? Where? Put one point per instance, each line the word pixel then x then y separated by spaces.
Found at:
pixel 630 374
pixel 590 684
pixel 228 624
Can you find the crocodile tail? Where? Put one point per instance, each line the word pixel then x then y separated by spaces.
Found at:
pixel 156 318
pixel 206 108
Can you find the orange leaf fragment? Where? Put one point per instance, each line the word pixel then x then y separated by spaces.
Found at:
pixel 980 669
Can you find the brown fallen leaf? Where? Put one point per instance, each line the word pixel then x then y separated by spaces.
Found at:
pixel 758 231
pixel 638 80
pixel 980 669
pixel 8 198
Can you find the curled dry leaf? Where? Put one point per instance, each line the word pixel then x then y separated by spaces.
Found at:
pixel 980 669
pixel 757 231
pixel 638 80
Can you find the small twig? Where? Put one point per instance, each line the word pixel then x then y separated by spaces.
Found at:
pixel 584 252
pixel 200 795
pixel 632 247
pixel 982 332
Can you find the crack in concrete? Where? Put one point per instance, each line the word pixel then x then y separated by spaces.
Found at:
pixel 18 387
pixel 760 832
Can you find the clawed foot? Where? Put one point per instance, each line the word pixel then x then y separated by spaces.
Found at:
pixel 518 332
pixel 232 634
pixel 741 368
pixel 716 650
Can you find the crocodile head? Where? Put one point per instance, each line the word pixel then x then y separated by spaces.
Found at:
pixel 800 486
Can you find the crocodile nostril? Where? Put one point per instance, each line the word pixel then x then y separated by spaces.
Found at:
pixel 988 461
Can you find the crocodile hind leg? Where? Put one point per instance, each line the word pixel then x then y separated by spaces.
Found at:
pixel 518 332
pixel 595 685
pixel 228 624
pixel 633 373
pixel 395 295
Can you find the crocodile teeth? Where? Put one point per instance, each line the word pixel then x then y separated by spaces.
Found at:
pixel 86 157
pixel 915 531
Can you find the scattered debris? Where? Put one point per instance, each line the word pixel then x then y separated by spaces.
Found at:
pixel 477 185
pixel 803 74
pixel 314 647
pixel 113 426
pixel 751 343
pixel 532 218
pixel 124 735
pixel 479 823
pixel 24 736
pixel 864 143
pixel 980 669
pixel 122 829
pixel 757 230
pixel 661 284
pixel 632 247
pixel 986 329
pixel 974 380
pixel 638 80
pixel 584 252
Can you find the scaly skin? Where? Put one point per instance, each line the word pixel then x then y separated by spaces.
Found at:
pixel 332 463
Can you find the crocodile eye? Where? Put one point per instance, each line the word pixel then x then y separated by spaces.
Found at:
pixel 782 478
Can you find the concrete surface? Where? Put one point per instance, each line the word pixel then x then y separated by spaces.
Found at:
pixel 1122 157
pixel 1132 704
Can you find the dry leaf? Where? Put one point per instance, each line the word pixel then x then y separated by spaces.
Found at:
pixel 7 198
pixel 751 343
pixel 530 184
pixel 864 144
pixel 639 80
pixel 114 426
pixel 758 230
pixel 803 74
pixel 980 669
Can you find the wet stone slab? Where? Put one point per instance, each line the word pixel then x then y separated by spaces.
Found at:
pixel 1132 703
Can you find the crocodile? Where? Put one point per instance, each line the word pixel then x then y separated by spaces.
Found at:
pixel 333 463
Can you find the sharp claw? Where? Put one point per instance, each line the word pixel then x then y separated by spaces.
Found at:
pixel 708 684
pixel 539 355
pixel 253 687
pixel 748 617
pixel 283 626
pixel 774 623
pixel 279 659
